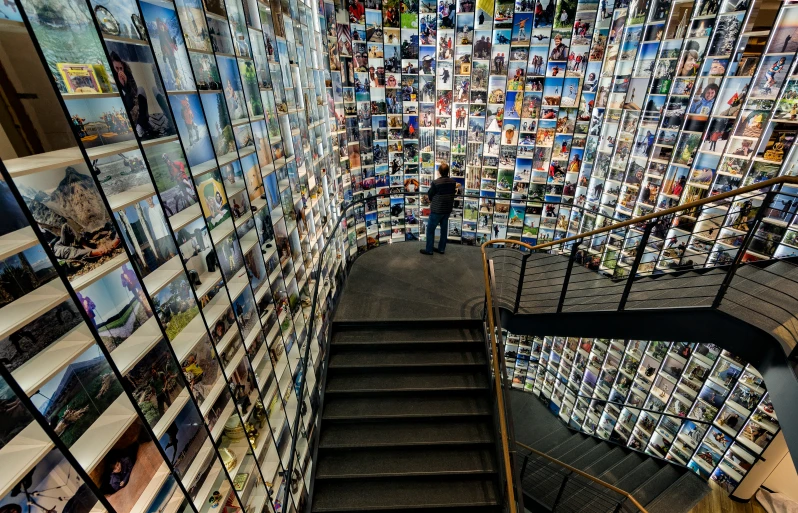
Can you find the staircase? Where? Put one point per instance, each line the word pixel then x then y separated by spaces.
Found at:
pixel 407 421
pixel 659 486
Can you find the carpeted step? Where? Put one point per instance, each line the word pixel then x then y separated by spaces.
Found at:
pixel 398 336
pixel 682 495
pixel 657 484
pixel 461 494
pixel 431 381
pixel 411 406
pixel 580 449
pixel 618 471
pixel 587 458
pixel 400 359
pixel 639 474
pixel 566 445
pixel 607 461
pixel 405 462
pixel 406 434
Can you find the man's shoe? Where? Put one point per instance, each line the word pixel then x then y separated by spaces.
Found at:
pixel 424 252
pixel 439 251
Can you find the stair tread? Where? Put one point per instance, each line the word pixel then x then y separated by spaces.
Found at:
pixel 657 484
pixel 682 495
pixel 380 434
pixel 422 380
pixel 391 336
pixel 428 461
pixel 613 474
pixel 410 406
pixel 368 495
pixel 406 358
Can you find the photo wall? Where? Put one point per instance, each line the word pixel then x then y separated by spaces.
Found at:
pixel 157 276
pixel 694 405
pixel 558 117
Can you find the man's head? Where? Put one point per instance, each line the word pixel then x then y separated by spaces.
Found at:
pixel 443 170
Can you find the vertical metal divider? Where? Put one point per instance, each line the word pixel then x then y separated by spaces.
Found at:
pixel 23 397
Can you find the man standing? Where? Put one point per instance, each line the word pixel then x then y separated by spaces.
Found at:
pixel 441 196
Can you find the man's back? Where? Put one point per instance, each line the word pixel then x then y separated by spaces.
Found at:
pixel 441 194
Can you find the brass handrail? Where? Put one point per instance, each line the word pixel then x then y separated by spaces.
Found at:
pixel 654 215
pixel 585 475
pixel 498 378
pixel 492 326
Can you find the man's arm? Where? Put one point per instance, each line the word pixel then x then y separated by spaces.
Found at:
pixel 432 191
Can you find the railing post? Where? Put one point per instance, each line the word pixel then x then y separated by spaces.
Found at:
pixel 641 249
pixel 619 506
pixel 524 258
pixel 738 258
pixel 560 492
pixel 567 277
pixel 523 467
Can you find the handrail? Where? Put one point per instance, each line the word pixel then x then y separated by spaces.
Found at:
pixel 586 476
pixel 654 215
pixel 498 377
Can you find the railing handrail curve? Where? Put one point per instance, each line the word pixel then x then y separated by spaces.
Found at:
pixel 779 180
pixel 585 475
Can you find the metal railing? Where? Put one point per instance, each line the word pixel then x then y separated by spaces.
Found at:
pixel 560 487
pixel 701 246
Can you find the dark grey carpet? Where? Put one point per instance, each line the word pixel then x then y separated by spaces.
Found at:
pixel 396 282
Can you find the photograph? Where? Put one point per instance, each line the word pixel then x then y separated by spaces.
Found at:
pixel 100 121
pixel 206 73
pixel 200 369
pixel 169 46
pixel 141 90
pixel 195 30
pixel 71 216
pixel 146 234
pixel 31 339
pixel 52 485
pixel 213 198
pixel 121 172
pixel 116 304
pixel 23 273
pixel 78 395
pixel 175 306
pixel 127 469
pixel 219 122
pixel 192 128
pixel 183 438
pixel 119 18
pixel 231 259
pixel 233 90
pixel 155 381
pixel 71 45
pixel 171 174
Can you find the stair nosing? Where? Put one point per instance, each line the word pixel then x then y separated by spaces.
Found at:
pixel 387 475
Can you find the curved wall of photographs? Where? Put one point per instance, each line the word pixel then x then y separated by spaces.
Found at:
pixel 692 404
pixel 156 269
pixel 156 260
pixel 558 116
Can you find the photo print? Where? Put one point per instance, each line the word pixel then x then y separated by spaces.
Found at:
pixel 146 234
pixel 70 45
pixel 141 90
pixel 175 306
pixel 71 216
pixel 116 305
pixel 128 468
pixel 192 128
pixel 171 174
pixel 23 273
pixel 169 46
pixel 52 485
pixel 78 395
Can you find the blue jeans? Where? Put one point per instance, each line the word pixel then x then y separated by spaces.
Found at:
pixel 432 223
